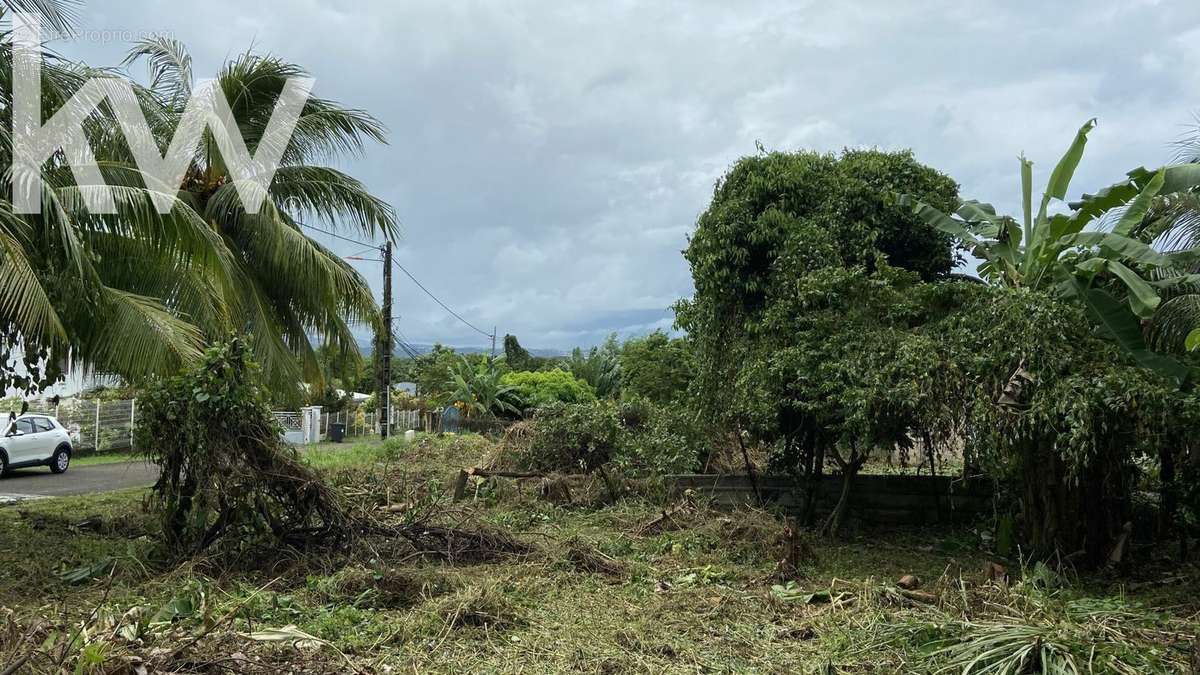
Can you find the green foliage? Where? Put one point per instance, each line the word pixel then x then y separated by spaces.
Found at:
pixel 828 360
pixel 225 474
pixel 328 398
pixel 573 437
pixel 479 389
pixel 119 392
pixel 514 354
pixel 778 216
pixel 341 368
pixel 767 205
pixel 600 367
pixel 659 439
pixel 635 437
pixel 1057 253
pixel 434 371
pixel 539 389
pixel 656 367
pixel 518 358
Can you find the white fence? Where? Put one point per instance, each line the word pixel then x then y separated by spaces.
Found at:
pixel 108 426
pixel 367 424
pixel 95 426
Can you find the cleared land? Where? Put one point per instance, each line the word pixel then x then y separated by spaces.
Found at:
pixel 603 588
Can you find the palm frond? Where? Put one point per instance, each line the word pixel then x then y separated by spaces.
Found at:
pixel 328 195
pixel 1175 319
pixel 135 336
pixel 170 66
pixel 57 14
pixel 24 303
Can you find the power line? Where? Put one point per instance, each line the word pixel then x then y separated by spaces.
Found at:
pixel 335 235
pixel 402 341
pixel 356 254
pixel 444 306
pixel 410 276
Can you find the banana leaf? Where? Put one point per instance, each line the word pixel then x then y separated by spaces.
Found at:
pixel 1143 299
pixel 1124 247
pixel 1119 323
pixel 1137 209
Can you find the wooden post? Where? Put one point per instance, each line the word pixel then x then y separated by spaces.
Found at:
pixel 460 485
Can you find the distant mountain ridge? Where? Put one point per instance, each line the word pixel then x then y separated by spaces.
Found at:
pixel 367 347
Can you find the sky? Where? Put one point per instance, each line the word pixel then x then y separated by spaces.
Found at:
pixel 548 159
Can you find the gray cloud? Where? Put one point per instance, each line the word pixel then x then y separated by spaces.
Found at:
pixel 549 159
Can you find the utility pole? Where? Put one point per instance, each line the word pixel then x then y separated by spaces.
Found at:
pixel 385 356
pixel 493 343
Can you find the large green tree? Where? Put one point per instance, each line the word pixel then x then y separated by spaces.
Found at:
pixel 777 223
pixel 775 216
pixel 657 367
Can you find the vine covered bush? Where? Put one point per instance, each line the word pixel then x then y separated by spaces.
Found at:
pixel 1063 416
pixel 828 354
pixel 225 476
pixel 636 437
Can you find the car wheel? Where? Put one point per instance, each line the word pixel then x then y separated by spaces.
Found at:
pixel 3 463
pixel 60 461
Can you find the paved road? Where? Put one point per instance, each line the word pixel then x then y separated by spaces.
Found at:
pixel 78 480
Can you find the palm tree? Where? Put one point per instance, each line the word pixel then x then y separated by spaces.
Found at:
pixel 282 285
pixel 1172 224
pixel 599 367
pixel 107 292
pixel 138 293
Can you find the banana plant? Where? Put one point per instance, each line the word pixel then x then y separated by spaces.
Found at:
pixel 1192 344
pixel 1077 253
pixel 478 389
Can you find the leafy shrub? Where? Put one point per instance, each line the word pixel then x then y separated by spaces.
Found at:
pixel 573 437
pixel 658 440
pixel 543 388
pixel 225 474
pixel 636 436
pixel 656 367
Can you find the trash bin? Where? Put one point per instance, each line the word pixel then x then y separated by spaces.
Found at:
pixel 337 431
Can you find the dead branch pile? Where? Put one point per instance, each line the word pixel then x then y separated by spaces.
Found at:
pixel 513 446
pixel 588 558
pixel 457 545
pixel 225 475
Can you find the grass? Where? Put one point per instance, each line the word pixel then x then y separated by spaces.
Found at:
pixel 104 458
pixel 699 598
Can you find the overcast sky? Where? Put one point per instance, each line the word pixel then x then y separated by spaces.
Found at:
pixel 548 160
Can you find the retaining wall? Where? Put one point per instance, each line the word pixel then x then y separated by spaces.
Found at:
pixel 910 500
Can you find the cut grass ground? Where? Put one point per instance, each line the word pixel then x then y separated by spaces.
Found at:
pixel 596 596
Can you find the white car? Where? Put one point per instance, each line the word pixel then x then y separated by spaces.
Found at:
pixel 35 440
